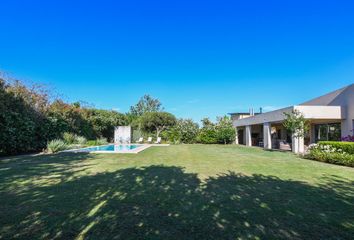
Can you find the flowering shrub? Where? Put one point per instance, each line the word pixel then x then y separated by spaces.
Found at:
pixel 330 154
pixel 349 138
pixel 347 147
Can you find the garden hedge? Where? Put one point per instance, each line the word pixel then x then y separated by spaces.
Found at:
pixel 347 147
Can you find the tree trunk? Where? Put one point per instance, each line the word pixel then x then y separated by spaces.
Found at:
pixel 158 131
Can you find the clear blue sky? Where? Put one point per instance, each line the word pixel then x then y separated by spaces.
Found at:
pixel 200 58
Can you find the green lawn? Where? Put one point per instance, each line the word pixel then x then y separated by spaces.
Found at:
pixel 176 192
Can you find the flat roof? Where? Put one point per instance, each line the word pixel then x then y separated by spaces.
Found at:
pixel 243 113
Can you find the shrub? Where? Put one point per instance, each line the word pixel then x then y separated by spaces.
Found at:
pixel 349 138
pixel 69 138
pixel 81 140
pixel 185 131
pixel 101 141
pixel 330 154
pixel 56 145
pixel 225 132
pixel 347 147
pixel 208 136
pixel 22 119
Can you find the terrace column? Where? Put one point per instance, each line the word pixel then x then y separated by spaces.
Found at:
pixel 248 136
pixel 236 136
pixel 297 144
pixel 267 135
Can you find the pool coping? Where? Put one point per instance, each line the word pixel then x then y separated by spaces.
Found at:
pixel 141 147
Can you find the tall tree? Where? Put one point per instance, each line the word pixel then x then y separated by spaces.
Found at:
pixel 146 104
pixel 157 121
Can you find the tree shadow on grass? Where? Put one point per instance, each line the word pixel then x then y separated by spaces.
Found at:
pixel 160 202
pixel 15 171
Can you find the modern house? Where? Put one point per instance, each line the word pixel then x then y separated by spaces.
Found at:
pixel 331 117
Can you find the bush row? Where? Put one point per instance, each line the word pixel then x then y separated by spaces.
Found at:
pixel 330 154
pixel 347 147
pixel 29 120
pixel 187 131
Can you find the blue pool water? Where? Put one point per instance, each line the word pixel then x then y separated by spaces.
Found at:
pixel 111 148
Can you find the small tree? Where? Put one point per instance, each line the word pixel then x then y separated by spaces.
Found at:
pixel 146 104
pixel 157 121
pixel 296 124
pixel 225 131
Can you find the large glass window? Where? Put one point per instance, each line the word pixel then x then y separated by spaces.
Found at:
pixel 328 132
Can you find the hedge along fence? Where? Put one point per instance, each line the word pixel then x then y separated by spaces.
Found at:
pixel 347 147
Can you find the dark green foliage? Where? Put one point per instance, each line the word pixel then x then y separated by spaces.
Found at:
pixel 70 118
pixel 222 132
pixel 103 122
pixel 22 126
pixel 347 147
pixel 28 120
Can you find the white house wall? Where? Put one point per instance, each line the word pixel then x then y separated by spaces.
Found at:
pixel 342 97
pixel 321 112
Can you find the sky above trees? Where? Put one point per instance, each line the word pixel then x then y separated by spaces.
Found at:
pixel 200 58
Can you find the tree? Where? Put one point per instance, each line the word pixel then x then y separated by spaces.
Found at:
pixel 207 123
pixel 207 134
pixel 146 104
pixel 185 131
pixel 296 124
pixel 22 117
pixel 157 121
pixel 103 122
pixel 225 131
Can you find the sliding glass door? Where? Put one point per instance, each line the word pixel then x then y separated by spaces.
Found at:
pixel 327 132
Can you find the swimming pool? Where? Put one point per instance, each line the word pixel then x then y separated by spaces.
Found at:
pixel 112 148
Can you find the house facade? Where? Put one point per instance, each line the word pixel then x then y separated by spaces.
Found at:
pixel 330 116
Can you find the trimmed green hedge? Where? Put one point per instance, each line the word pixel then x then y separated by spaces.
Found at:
pixel 347 147
pixel 331 157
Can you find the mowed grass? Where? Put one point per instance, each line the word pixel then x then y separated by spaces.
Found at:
pixel 175 192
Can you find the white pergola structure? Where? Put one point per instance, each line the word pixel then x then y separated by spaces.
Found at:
pixel 122 134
